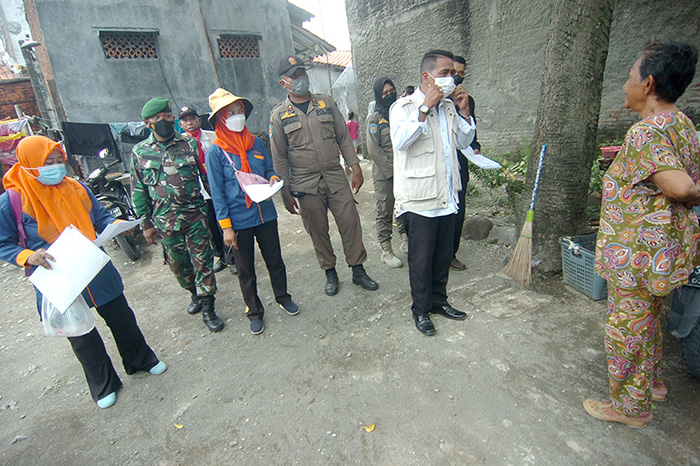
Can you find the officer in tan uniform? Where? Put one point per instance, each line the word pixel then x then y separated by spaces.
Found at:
pixel 306 132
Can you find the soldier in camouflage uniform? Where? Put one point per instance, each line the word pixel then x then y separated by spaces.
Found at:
pixel 166 192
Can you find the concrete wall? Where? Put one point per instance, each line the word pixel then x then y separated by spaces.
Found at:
pixel 13 27
pixel 319 78
pixel 504 43
pixel 93 88
pixel 634 23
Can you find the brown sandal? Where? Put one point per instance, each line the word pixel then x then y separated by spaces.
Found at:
pixel 595 409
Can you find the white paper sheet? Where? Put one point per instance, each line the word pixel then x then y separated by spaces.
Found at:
pixel 78 261
pixel 481 161
pixel 113 229
pixel 262 192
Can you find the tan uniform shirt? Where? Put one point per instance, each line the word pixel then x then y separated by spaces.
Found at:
pixel 305 146
pixel 379 147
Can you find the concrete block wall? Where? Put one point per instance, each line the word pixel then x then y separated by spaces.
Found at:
pixel 93 88
pixel 504 43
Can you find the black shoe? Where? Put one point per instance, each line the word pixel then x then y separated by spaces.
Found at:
pixel 424 325
pixel 332 285
pixel 360 277
pixel 195 305
pixel 219 266
pixel 449 312
pixel 234 269
pixel 209 317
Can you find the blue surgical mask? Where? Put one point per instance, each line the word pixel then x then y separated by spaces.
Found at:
pixel 51 174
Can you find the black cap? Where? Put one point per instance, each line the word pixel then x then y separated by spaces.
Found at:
pixel 289 64
pixel 187 111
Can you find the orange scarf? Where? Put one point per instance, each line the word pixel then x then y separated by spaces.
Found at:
pixel 53 207
pixel 234 143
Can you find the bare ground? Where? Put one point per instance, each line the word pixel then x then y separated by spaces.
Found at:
pixel 503 387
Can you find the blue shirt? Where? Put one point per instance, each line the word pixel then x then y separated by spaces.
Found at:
pixel 105 287
pixel 226 193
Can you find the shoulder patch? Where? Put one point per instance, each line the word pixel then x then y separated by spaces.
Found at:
pixel 373 128
pixel 269 132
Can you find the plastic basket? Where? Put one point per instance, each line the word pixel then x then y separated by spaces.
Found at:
pixel 578 264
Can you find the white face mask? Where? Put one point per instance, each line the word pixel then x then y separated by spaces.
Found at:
pixel 446 84
pixel 236 123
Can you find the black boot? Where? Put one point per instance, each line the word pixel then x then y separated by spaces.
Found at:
pixel 360 277
pixel 209 316
pixel 331 282
pixel 196 304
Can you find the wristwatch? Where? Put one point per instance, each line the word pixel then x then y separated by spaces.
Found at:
pixel 424 109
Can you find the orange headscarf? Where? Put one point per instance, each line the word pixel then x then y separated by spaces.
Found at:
pixel 53 207
pixel 233 142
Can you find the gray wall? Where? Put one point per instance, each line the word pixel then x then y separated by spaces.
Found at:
pixel 504 43
pixel 96 89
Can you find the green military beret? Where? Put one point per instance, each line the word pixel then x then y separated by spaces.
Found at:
pixel 155 106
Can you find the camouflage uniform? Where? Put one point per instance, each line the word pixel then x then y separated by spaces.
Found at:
pixel 166 192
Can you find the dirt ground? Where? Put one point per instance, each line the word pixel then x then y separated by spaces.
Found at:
pixel 505 386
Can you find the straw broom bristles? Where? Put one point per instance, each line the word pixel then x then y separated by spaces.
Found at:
pixel 519 267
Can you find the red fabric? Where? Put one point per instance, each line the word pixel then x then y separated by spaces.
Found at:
pixel 234 143
pixel 200 160
pixel 353 128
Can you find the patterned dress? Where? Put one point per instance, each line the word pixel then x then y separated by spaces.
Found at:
pixel 646 247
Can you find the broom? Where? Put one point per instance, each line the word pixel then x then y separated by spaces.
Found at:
pixel 519 266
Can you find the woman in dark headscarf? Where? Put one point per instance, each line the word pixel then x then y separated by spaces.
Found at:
pixel 648 238
pixel 382 154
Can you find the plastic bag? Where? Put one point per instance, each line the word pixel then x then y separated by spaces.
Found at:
pixel 76 321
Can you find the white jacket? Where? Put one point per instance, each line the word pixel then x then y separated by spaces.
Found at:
pixel 420 176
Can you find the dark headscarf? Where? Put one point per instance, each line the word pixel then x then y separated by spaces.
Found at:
pixel 378 88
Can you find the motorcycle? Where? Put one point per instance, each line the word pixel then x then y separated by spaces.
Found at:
pixel 116 200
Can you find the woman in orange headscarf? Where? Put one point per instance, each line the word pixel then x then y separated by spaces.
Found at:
pixel 45 203
pixel 242 220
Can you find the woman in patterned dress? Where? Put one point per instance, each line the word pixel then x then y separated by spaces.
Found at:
pixel 648 238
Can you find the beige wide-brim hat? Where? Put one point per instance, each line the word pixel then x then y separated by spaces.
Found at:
pixel 221 98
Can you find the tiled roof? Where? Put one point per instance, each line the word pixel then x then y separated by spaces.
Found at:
pixel 340 58
pixel 6 73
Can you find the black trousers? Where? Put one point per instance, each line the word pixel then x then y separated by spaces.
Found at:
pixel 90 349
pixel 217 237
pixel 459 218
pixel 430 252
pixel 268 240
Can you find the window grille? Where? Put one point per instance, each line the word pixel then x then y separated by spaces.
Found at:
pixel 129 44
pixel 234 46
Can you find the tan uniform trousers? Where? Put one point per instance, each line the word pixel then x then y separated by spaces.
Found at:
pixel 314 214
pixel 384 195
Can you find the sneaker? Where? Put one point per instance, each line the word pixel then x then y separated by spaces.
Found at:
pixel 291 307
pixel 256 326
pixel 107 401
pixel 234 269
pixel 158 368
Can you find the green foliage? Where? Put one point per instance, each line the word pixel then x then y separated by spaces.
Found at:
pixel 513 169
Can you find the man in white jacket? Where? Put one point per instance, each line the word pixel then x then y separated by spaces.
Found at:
pixel 425 131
